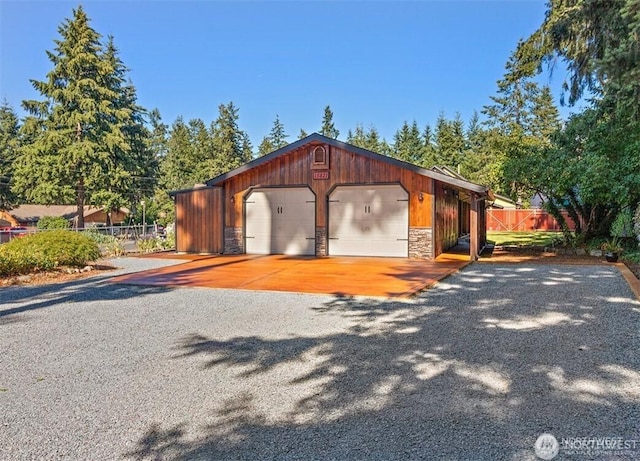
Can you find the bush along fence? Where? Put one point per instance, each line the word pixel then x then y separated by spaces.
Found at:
pixel 524 220
pixel 133 232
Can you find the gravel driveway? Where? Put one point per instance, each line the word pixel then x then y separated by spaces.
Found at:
pixel 474 369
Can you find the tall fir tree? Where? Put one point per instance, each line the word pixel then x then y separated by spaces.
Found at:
pixel 159 132
pixel 276 139
pixel 228 140
pixel 277 134
pixel 450 140
pixel 84 137
pixel 303 134
pixel 408 145
pixel 266 147
pixel 368 139
pixel 328 128
pixel 180 165
pixel 9 146
pixel 429 155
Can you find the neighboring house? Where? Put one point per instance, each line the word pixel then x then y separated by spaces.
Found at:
pixel 29 215
pixel 503 203
pixel 323 197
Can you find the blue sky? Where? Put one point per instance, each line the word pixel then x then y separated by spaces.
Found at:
pixel 375 63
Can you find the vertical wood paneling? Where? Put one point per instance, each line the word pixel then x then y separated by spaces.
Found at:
pixel 199 221
pixel 201 228
pixel 446 226
pixel 346 167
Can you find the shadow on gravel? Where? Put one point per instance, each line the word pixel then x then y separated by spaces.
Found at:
pixel 474 369
pixel 17 300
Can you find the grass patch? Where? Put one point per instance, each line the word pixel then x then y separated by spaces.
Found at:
pixel 541 238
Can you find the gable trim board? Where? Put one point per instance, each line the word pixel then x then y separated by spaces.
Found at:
pixel 414 223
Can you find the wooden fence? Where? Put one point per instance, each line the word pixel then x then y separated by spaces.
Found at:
pixel 524 220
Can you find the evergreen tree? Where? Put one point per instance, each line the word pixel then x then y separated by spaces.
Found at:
pixel 302 134
pixel 179 166
pixel 520 121
pixel 9 145
pixel 375 143
pixel 159 132
pixel 368 139
pixel 328 128
pixel 131 173
pixel 357 137
pixel 277 135
pixel 450 140
pixel 408 145
pixel 265 147
pixel 478 165
pixel 85 139
pixel 429 153
pixel 247 147
pixel 545 118
pixel 228 140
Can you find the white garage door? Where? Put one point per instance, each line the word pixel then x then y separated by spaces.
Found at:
pixel 370 220
pixel 280 221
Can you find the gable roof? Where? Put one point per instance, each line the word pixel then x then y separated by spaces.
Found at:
pixel 318 138
pixel 32 213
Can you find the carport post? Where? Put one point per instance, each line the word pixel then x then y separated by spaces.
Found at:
pixel 473 238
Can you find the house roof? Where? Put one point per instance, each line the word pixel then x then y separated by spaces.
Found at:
pixel 34 212
pixel 318 138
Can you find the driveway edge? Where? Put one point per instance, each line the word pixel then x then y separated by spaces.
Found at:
pixel 631 279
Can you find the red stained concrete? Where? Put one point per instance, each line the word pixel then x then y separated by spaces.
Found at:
pixel 344 276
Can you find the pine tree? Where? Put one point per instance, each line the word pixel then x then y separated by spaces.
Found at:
pixel 545 118
pixel 449 137
pixel 277 134
pixel 9 145
pixel 131 173
pixel 227 139
pixel 429 153
pixel 368 139
pixel 247 147
pixel 357 137
pixel 157 142
pixel 478 164
pixel 408 145
pixel 328 128
pixel 179 164
pixel 302 134
pixel 265 147
pixel 85 139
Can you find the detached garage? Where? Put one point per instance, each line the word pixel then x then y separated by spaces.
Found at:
pixel 322 197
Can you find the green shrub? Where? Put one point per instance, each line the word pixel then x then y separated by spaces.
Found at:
pixel 151 244
pixel 633 257
pixel 114 248
pixel 99 238
pixel 46 251
pixel 53 222
pixel 622 226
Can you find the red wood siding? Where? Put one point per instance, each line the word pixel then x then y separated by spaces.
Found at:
pixel 346 167
pixel 447 223
pixel 199 226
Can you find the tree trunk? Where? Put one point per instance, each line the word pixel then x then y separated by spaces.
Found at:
pixel 80 197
